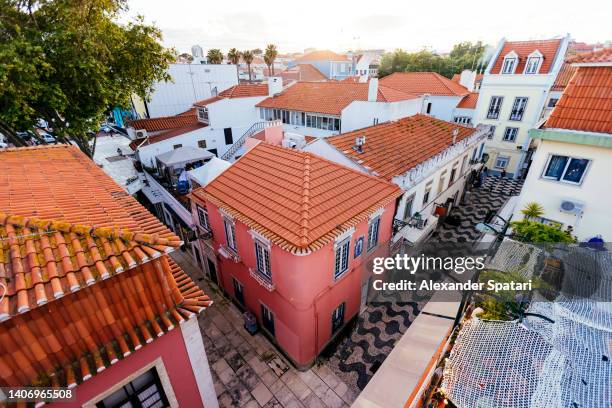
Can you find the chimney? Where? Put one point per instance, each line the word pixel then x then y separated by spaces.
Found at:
pixel 468 79
pixel 359 143
pixel 275 85
pixel 455 134
pixel 373 90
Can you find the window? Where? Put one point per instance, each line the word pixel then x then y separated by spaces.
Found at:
pixel 565 169
pixel 373 233
pixel 502 162
pixel 552 102
pixel 453 173
pixel 509 65
pixel 230 233
pixel 322 122
pixel 510 134
pixel 428 108
pixel 262 255
pixel 238 291
pixel 227 132
pixel 177 146
pixel 267 319
pixel 533 65
pixel 427 191
pixel 144 391
pixel 285 116
pixel 202 144
pixel 203 114
pixel 338 318
pixel 491 132
pixel 408 207
pixel 375 121
pixel 203 217
pixel 442 182
pixel 494 107
pixel 464 120
pixel 518 108
pixel 342 257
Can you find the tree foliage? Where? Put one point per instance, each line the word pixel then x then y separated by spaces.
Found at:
pixel 247 57
pixel 233 56
pixel 214 56
pixel 538 233
pixel 270 56
pixel 532 210
pixel 465 55
pixel 68 62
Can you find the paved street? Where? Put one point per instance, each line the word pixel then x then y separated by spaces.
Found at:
pixel 248 371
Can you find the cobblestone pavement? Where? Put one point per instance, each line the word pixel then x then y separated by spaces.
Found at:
pixel 358 356
pixel 247 370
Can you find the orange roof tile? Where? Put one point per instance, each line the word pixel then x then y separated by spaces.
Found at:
pixel 164 122
pixel 393 148
pixel 601 56
pixel 469 101
pixel 586 103
pixel 298 200
pixel 325 55
pixel 548 48
pixel 89 287
pixel 236 91
pixel 420 83
pixel 328 97
pixel 457 77
pixel 563 77
pixel 303 72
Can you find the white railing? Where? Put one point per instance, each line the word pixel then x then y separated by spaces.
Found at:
pixel 256 127
pixel 161 194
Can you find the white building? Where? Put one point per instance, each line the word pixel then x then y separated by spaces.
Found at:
pixel 513 93
pixel 366 65
pixel 572 165
pixel 430 159
pixel 323 109
pixel 189 83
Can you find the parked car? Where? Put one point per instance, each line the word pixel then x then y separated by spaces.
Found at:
pixel 105 128
pixel 3 145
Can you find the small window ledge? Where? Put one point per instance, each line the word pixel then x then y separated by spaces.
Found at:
pixel 262 280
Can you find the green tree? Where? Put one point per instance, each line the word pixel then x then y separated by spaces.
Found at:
pixel 257 51
pixel 185 57
pixel 532 210
pixel 538 233
pixel 68 62
pixel 270 56
pixel 247 57
pixel 233 56
pixel 214 56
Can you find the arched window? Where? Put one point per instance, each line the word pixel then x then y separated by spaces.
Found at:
pixel 510 63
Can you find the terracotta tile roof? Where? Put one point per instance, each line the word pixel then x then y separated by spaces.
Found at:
pixel 89 287
pixel 586 103
pixel 135 144
pixel 208 101
pixel 563 77
pixel 469 101
pixel 296 199
pixel 604 55
pixel 393 148
pixel 164 122
pixel 420 83
pixel 457 77
pixel 303 72
pixel 328 97
pixel 548 48
pixel 323 56
pixel 245 91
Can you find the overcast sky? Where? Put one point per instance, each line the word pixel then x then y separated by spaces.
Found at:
pixel 341 25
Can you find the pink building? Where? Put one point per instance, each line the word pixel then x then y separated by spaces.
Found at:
pixel 291 233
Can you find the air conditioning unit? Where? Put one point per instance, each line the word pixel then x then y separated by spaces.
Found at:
pixel 571 207
pixel 141 134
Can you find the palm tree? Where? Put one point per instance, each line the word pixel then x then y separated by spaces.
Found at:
pixel 247 57
pixel 532 210
pixel 233 56
pixel 270 56
pixel 214 56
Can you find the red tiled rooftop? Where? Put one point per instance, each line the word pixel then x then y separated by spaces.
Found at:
pixel 164 122
pixel 586 103
pixel 87 278
pixel 325 55
pixel 393 148
pixel 298 200
pixel 469 101
pixel 328 97
pixel 420 83
pixel 237 91
pixel 303 72
pixel 548 48
pixel 601 56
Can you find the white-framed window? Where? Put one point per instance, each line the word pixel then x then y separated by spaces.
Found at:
pixel 267 319
pixel 518 108
pixel 565 169
pixel 177 146
pixel 202 144
pixel 203 217
pixel 262 256
pixel 495 107
pixel 510 62
pixel 230 233
pixel 146 390
pixel 533 63
pixel 342 257
pixel 453 173
pixel 491 132
pixel 337 319
pixel 373 228
pixel 510 134
pixel 464 120
pixel 442 182
pixel 203 114
pixel 501 162
pixel 408 207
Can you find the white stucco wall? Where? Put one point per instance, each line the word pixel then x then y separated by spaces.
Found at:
pixel 324 149
pixel 234 112
pixel 360 114
pixel 442 107
pixel 594 192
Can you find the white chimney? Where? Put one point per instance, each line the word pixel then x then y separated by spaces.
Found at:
pixel 373 90
pixel 468 79
pixel 275 85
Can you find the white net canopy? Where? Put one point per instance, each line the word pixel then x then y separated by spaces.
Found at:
pixel 559 356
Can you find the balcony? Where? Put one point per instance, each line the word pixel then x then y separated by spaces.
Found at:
pixel 262 279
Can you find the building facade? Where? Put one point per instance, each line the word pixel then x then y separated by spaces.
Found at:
pixel 331 64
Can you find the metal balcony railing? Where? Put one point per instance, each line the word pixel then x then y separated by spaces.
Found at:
pixel 255 128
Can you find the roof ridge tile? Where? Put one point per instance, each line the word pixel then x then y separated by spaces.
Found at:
pixel 305 202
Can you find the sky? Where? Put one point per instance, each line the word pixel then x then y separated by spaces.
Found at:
pixel 343 25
